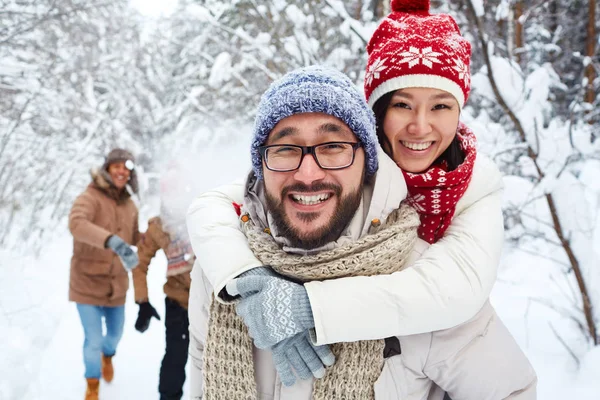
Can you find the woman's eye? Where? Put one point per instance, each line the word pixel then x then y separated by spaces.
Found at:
pixel 401 105
pixel 442 107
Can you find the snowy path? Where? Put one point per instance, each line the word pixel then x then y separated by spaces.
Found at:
pixel 137 362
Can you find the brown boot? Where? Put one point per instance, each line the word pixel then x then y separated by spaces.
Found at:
pixel 93 385
pixel 108 371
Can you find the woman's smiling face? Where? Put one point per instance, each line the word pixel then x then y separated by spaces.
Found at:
pixel 420 124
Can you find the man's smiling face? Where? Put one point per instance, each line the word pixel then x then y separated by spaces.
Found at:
pixel 311 206
pixel 119 174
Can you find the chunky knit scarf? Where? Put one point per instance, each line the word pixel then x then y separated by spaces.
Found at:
pixel 435 193
pixel 228 359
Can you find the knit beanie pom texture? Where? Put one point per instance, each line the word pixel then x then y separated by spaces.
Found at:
pixel 315 89
pixel 413 48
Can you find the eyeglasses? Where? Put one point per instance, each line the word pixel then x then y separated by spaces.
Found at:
pixel 288 157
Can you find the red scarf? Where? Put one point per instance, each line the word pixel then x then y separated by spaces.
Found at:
pixel 434 193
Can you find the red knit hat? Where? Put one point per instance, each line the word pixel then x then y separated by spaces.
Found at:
pixel 412 48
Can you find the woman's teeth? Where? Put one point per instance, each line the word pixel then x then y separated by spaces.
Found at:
pixel 416 146
pixel 310 200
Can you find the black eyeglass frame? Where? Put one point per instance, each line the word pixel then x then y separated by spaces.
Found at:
pixel 308 150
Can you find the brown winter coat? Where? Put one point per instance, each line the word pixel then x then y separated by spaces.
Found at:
pixel 178 286
pixel 97 275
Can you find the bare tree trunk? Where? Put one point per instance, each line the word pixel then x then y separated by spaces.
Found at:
pixel 377 8
pixel 553 8
pixel 519 42
pixel 587 305
pixel 358 10
pixel 590 52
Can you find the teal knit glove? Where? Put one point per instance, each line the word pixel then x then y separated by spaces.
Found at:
pixel 272 308
pixel 299 353
pixel 128 256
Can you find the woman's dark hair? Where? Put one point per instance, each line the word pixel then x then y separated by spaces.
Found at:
pixel 453 155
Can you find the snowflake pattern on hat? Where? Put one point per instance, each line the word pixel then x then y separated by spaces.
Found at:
pixel 462 70
pixel 374 70
pixel 425 56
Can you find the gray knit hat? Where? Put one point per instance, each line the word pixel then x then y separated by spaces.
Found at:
pixel 315 89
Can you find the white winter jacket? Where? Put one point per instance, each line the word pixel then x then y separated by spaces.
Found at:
pixel 447 286
pixel 477 360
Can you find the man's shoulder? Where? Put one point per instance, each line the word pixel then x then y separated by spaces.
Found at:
pixel 90 194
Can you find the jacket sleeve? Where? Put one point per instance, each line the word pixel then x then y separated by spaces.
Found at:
pixel 199 310
pixel 221 248
pixel 147 249
pixel 445 287
pixel 81 222
pixel 196 375
pixel 480 360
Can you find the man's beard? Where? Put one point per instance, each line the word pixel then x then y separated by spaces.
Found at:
pixel 343 214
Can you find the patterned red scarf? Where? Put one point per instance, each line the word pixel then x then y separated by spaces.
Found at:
pixel 434 193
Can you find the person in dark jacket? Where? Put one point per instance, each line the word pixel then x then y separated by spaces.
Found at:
pixel 168 232
pixel 104 225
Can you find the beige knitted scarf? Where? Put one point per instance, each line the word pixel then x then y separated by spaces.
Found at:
pixel 228 359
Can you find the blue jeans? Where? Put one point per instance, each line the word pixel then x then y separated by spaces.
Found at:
pixel 95 343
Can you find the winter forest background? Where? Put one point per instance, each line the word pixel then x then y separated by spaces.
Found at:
pixel 78 78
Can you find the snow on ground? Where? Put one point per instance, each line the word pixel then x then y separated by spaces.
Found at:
pixel 521 281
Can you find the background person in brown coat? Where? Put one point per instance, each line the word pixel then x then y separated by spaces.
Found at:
pixel 168 232
pixel 104 224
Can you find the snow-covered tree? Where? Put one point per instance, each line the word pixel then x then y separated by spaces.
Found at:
pixel 73 84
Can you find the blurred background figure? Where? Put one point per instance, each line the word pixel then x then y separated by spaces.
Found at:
pixel 168 232
pixel 104 225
